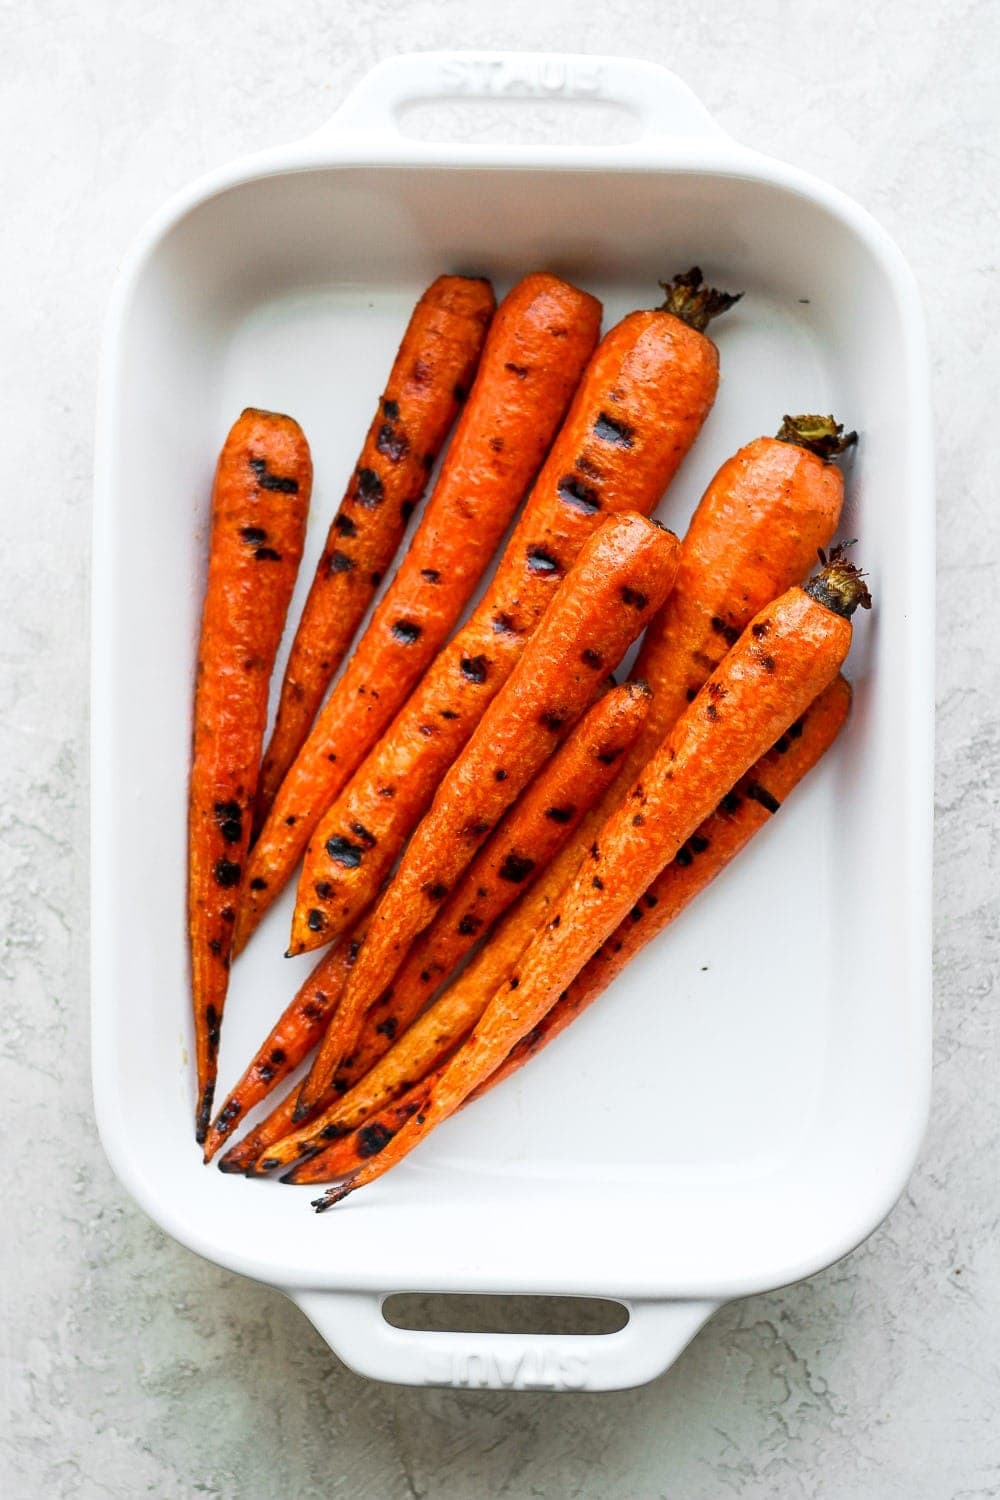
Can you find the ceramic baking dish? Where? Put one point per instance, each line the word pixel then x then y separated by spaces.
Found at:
pixel 746 1104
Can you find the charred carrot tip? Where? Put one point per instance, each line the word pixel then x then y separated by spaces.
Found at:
pixel 203 1119
pixel 331 1198
pixel 824 436
pixel 693 302
pixel 839 584
pixel 232 1167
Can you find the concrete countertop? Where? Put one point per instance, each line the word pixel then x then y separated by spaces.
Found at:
pixel 131 1367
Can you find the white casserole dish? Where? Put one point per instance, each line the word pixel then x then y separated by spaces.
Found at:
pixel 772 1111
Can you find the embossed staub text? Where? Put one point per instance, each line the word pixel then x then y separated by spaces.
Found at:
pixel 546 1369
pixel 531 78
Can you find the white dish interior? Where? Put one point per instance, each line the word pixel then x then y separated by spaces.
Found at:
pixel 745 1103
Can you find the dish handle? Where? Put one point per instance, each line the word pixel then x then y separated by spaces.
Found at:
pixel 666 108
pixel 354 1326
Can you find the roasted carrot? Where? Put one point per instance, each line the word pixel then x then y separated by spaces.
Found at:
pixel 741 814
pixel 754 533
pixel 274 1127
pixel 787 655
pixel 620 578
pixel 538 824
pixel 429 378
pixel 291 1038
pixel 540 340
pixel 430 1041
pixel 751 804
pixel 324 1164
pixel 260 502
pixel 639 408
pixel 424 1046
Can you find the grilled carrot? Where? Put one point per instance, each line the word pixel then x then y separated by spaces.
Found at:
pixel 345 1156
pixel 540 340
pixel 639 408
pixel 427 383
pixel 537 826
pixel 754 533
pixel 744 811
pixel 620 578
pixel 260 501
pixel 274 1127
pixel 539 823
pixel 431 1040
pixel 291 1038
pixel 741 814
pixel 787 655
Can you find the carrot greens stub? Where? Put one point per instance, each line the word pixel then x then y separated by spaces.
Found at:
pixel 824 436
pixel 839 585
pixel 688 298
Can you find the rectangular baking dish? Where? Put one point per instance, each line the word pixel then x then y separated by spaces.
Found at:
pixel 745 1105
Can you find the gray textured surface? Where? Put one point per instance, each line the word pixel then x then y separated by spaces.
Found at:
pixel 130 1367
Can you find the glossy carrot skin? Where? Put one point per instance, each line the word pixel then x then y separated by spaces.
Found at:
pixel 619 580
pixel 538 824
pixel 535 827
pixel 430 1041
pixel 430 375
pixel 341 1158
pixel 742 813
pixel 260 502
pixel 755 532
pixel 540 340
pixel 274 1127
pixel 642 402
pixel 788 654
pixel 291 1038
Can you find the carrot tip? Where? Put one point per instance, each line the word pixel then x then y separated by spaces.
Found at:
pixel 233 1167
pixel 824 436
pixel 694 303
pixel 331 1198
pixel 203 1117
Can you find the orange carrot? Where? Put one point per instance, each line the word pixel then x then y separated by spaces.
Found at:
pixel 741 814
pixel 781 662
pixel 431 1040
pixel 751 804
pixel 431 373
pixel 539 342
pixel 537 826
pixel 291 1038
pixel 621 577
pixel 260 502
pixel 274 1127
pixel 639 408
pixel 754 533
pixel 323 1164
